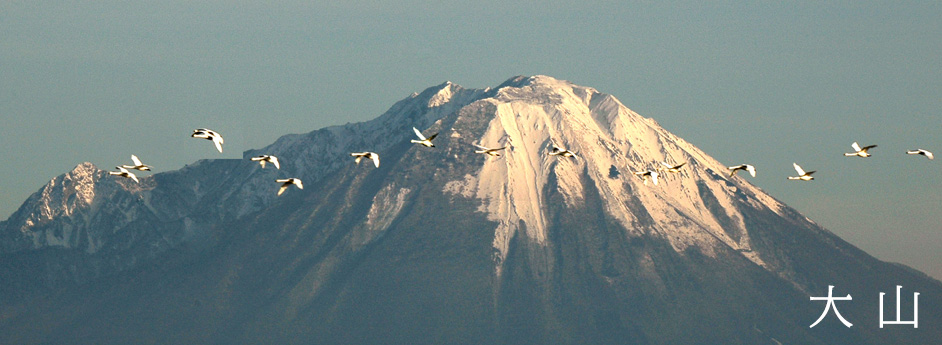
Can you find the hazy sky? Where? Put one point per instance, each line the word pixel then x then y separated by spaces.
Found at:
pixel 768 84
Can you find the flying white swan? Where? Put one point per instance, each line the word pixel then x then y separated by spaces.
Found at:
pixel 559 151
pixel 488 151
pixel 288 182
pixel 367 155
pixel 802 175
pixel 672 168
pixel 647 174
pixel 209 134
pixel 422 139
pixel 124 173
pixel 860 152
pixel 751 169
pixel 267 158
pixel 921 152
pixel 137 164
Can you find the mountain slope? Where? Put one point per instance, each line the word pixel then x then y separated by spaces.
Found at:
pixel 440 245
pixel 103 218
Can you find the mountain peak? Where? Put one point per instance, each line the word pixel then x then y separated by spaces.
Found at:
pixel 539 79
pixel 65 197
pixel 81 181
pixel 516 81
pixel 531 114
pixel 521 247
pixel 444 94
pixel 85 168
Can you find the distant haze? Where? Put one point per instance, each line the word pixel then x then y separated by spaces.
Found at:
pixel 767 84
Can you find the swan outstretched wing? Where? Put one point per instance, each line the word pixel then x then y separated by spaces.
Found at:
pixel 419 134
pixel 217 140
pixel 798 169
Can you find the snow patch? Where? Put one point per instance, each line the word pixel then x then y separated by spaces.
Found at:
pixel 386 207
pixel 465 188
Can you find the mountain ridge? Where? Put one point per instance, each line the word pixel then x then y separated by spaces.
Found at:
pixel 440 245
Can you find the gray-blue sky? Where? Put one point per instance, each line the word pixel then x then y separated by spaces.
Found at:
pixel 767 83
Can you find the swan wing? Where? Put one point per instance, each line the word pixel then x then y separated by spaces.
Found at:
pixel 798 169
pixel 215 135
pixel 217 140
pixel 419 134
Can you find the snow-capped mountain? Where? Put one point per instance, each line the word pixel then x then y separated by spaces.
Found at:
pixel 442 245
pixel 89 211
pixel 608 137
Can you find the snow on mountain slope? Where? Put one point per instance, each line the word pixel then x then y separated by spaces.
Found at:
pixel 539 111
pixel 524 247
pixel 88 210
pixel 78 209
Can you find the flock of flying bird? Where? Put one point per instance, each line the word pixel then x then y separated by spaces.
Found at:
pixel 645 175
pixel 803 175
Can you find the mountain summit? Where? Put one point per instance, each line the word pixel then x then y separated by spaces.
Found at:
pixel 610 139
pixel 442 245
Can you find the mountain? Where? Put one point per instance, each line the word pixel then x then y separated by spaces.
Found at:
pixel 441 245
pixel 115 224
